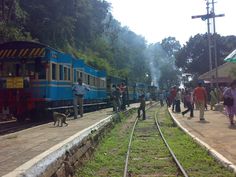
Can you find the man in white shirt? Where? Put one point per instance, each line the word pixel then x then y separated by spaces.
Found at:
pixel 79 90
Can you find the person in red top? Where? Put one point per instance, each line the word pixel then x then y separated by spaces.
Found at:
pixel 200 98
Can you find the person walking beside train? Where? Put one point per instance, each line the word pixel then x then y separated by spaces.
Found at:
pixel 189 103
pixel 79 90
pixel 200 98
pixel 230 101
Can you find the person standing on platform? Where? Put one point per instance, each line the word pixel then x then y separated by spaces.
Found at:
pixel 161 97
pixel 200 98
pixel 116 98
pixel 230 101
pixel 123 95
pixel 113 92
pixel 178 101
pixel 173 93
pixel 213 99
pixel 79 90
pixel 142 106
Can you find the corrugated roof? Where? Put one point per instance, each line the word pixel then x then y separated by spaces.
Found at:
pixel 224 71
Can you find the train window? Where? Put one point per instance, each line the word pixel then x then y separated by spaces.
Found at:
pixel 30 67
pixel 65 73
pixel 69 74
pixel 75 76
pixel 42 73
pixel 88 80
pixel 93 81
pixel 81 74
pixel 96 82
pixel 61 72
pixel 54 71
pixel 85 80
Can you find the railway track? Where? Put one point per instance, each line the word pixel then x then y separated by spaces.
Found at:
pixel 148 152
pixel 14 126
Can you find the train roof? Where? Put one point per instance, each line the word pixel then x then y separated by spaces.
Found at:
pixel 24 49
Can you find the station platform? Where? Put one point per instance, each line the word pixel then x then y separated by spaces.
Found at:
pixel 20 147
pixel 215 133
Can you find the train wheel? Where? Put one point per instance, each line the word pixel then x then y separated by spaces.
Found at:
pixel 33 116
pixel 21 118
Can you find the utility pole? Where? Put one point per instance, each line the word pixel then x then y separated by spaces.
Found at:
pixel 214 43
pixel 209 42
pixel 208 16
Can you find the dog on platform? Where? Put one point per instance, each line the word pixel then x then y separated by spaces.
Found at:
pixel 60 118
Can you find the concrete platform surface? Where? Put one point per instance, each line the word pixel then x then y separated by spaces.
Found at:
pixel 214 131
pixel 20 147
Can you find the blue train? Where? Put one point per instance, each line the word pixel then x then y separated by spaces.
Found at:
pixel 35 78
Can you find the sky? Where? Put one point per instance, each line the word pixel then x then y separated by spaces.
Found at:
pixel 157 19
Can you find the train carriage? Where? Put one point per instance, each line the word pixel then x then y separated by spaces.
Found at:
pixel 35 77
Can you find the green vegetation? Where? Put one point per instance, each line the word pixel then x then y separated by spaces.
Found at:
pixel 149 155
pixel 109 157
pixel 196 161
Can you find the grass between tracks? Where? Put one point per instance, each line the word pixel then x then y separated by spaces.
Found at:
pixel 149 155
pixel 196 161
pixel 108 160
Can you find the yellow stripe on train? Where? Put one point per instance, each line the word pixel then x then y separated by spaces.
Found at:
pixel 1 52
pixel 13 53
pixel 21 52
pixel 8 53
pixel 4 53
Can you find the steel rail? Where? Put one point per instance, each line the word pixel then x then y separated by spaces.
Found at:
pixel 170 150
pixel 129 146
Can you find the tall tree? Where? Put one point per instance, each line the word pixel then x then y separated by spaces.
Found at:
pixel 194 56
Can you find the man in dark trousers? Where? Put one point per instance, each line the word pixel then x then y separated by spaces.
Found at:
pixel 142 106
pixel 79 91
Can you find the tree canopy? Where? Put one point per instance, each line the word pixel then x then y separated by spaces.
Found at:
pixel 194 56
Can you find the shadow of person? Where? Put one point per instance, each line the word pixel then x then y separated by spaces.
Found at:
pixel 203 121
pixel 233 127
